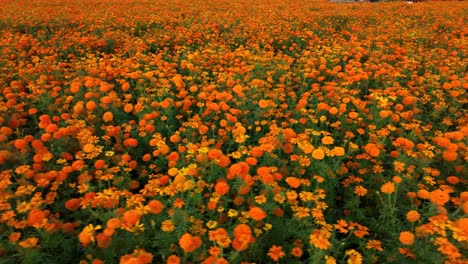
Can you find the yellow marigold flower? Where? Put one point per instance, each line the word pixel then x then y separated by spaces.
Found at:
pixel 167 226
pixel 354 257
pixel 330 260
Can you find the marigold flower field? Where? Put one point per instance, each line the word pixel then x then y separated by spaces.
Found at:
pixel 218 131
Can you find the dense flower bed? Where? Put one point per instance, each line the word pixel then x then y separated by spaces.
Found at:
pixel 220 131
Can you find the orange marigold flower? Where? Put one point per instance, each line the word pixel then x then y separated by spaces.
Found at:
pixel 155 206
pixel 103 241
pixel 114 223
pixel 413 216
pixel 29 242
pixel 173 259
pixel 423 194
pixel 388 188
pixel 130 218
pixel 297 252
pixel 189 243
pixel 338 151
pixel 86 236
pixel 257 213
pixel 453 180
pixel 14 237
pixel 221 188
pixel 220 236
pixel 293 182
pixel 36 218
pixel 374 244
pixel 406 238
pixel 99 164
pixel 318 154
pixel 439 197
pixel 239 169
pixel 327 140
pixel 464 196
pixel 20 143
pixel 242 237
pixel 276 252
pixel 372 150
pixel 465 207
pixel 360 190
pixel 73 204
pixel 460 229
pixel 449 155
pixel 407 253
pixel 214 260
pixel 263 103
pixel 447 248
pixel 333 110
pixel 320 239
pixel 214 154
pixel 107 116
pixel 130 142
pixel 353 115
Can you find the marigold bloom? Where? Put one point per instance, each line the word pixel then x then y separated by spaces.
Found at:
pixel 354 257
pixel 406 238
pixel 189 243
pixel 29 242
pixel 453 180
pixel 297 252
pixel 173 259
pixel 450 155
pixel 413 216
pixel 320 239
pixel 130 218
pixel 327 140
pixel 73 204
pixel 330 260
pixel 423 194
pixel 221 188
pixel 130 142
pixel 220 236
pixel 439 197
pixel 36 218
pixel 318 154
pixel 338 151
pixel 388 188
pixel 107 116
pixel 374 244
pixel 276 252
pixel 257 213
pixel 353 115
pixel 293 182
pixel 86 236
pixel 372 150
pixel 103 241
pixel 263 103
pixel 360 190
pixel 167 225
pixel 447 248
pixel 20 143
pixel 242 237
pixel 114 223
pixel 155 206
